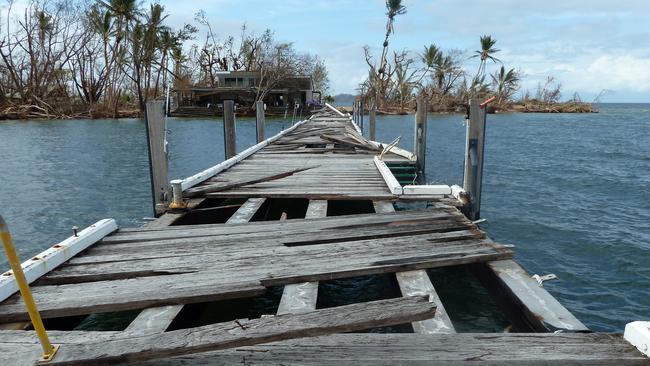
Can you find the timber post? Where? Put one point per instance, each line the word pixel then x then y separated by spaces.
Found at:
pixel 475 143
pixel 155 122
pixel 421 134
pixel 361 111
pixel 372 121
pixel 229 133
pixel 259 120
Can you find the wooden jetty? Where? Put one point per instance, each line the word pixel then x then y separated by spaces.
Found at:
pixel 312 204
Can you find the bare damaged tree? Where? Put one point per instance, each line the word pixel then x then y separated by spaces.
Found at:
pixel 36 56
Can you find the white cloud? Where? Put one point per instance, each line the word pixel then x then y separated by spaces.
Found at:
pixel 617 72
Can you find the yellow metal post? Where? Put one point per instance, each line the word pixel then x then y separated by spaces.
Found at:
pixel 48 349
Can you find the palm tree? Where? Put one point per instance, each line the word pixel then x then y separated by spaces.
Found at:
pixel 125 12
pixel 505 83
pixel 394 8
pixel 432 56
pixel 486 53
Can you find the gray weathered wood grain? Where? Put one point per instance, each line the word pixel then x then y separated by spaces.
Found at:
pixel 247 332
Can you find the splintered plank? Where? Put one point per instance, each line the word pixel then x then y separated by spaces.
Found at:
pixel 248 332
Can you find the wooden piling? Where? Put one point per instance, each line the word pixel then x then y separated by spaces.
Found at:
pixel 259 120
pixel 421 134
pixel 229 133
pixel 158 155
pixel 361 112
pixel 473 174
pixel 372 121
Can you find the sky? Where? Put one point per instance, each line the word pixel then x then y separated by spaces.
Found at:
pixel 587 45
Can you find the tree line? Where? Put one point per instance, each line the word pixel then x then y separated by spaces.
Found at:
pixel 69 58
pixel 441 76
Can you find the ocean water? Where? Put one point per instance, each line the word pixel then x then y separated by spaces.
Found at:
pixel 571 191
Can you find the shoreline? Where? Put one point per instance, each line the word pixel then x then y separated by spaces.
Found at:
pixel 571 108
pixel 531 107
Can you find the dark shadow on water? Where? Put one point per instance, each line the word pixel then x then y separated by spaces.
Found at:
pixel 470 307
pixel 360 289
pixel 196 315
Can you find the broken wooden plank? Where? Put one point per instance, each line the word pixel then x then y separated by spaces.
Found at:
pixel 158 319
pixel 240 274
pixel 413 283
pixel 247 332
pixel 523 296
pixel 53 257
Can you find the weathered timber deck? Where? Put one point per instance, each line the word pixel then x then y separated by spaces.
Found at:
pixel 309 205
pixel 337 161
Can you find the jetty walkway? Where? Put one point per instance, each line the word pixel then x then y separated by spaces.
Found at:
pixel 313 204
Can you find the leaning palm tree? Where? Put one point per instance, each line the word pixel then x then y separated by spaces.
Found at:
pixel 486 53
pixel 394 8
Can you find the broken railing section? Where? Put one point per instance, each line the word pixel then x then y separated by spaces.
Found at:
pixel 414 190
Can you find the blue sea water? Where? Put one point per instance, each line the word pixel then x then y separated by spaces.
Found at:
pixel 571 191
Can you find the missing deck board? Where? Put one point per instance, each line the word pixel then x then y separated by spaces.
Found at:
pixel 349 207
pixel 352 290
pixel 467 301
pixel 273 208
pixel 195 315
